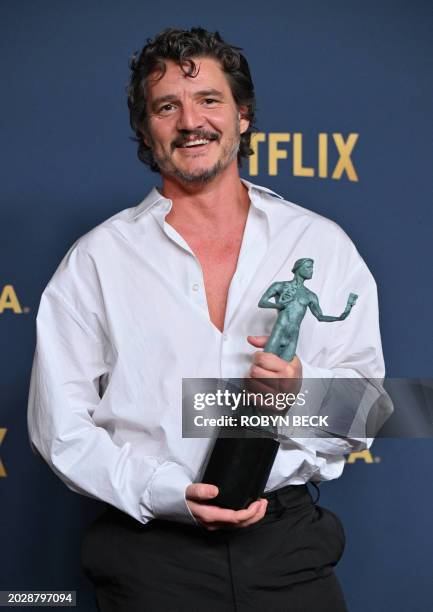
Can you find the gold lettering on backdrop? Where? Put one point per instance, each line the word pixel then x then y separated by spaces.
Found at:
pixel 2 468
pixel 275 153
pixel 8 299
pixel 323 155
pixel 298 168
pixel 364 455
pixel 345 163
pixel 344 168
pixel 256 138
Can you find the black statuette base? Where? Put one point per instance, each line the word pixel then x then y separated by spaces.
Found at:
pixel 240 468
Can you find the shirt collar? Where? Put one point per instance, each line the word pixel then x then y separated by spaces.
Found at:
pixel 152 199
pixel 155 199
pixel 253 188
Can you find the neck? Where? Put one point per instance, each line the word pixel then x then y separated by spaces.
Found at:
pixel 219 204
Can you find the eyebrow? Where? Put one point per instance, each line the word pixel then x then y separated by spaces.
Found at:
pixel 172 98
pixel 208 92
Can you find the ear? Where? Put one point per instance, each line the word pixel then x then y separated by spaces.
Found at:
pixel 243 122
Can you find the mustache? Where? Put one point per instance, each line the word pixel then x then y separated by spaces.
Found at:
pixel 186 135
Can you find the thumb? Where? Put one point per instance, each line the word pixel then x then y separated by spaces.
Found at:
pixel 200 491
pixel 258 341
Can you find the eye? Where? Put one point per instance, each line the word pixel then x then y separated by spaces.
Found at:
pixel 210 101
pixel 166 109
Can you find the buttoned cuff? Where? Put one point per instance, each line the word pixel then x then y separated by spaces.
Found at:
pixel 167 494
pixel 315 382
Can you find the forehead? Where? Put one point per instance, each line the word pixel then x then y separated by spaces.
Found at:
pixel 208 75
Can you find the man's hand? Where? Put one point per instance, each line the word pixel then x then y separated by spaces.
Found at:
pixel 270 366
pixel 214 517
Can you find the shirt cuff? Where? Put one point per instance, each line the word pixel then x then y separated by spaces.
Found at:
pixel 167 494
pixel 315 382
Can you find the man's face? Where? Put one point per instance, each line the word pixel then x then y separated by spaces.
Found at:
pixel 193 122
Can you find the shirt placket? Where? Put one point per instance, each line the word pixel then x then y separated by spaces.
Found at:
pixel 193 281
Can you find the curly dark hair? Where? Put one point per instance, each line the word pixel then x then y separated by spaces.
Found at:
pixel 181 46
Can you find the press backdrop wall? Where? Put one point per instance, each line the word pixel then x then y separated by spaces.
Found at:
pixel 361 71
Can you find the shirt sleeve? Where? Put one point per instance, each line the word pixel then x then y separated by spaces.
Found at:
pixel 71 359
pixel 354 352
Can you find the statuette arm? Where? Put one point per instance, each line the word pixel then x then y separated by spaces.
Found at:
pixel 265 300
pixel 314 307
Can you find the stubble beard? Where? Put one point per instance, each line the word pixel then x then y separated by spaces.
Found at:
pixel 200 176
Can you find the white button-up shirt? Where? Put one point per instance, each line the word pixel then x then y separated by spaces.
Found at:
pixel 125 318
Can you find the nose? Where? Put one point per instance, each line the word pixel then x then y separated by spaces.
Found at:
pixel 190 118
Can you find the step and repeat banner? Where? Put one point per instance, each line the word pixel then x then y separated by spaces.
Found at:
pixel 343 128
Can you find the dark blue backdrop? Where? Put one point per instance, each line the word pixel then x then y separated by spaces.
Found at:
pixel 67 164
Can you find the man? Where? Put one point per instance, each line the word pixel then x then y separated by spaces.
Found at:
pixel 168 290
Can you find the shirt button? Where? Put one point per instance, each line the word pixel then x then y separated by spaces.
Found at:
pixel 225 337
pixel 195 287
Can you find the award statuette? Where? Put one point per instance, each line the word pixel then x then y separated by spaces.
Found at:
pixel 240 467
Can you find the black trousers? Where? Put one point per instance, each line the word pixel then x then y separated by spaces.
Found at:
pixel 284 563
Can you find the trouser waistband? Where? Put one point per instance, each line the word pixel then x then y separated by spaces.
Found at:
pixel 289 496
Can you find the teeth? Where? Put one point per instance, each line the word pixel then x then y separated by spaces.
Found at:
pixel 193 143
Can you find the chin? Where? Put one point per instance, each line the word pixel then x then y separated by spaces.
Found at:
pixel 198 175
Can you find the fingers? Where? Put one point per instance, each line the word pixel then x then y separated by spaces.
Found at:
pixel 260 513
pixel 264 386
pixel 275 366
pixel 258 341
pixel 258 372
pixel 282 376
pixel 213 517
pixel 243 518
pixel 269 361
pixel 201 492
pixel 273 363
pixel 213 514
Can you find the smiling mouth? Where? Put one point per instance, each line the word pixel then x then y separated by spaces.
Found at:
pixel 195 140
pixel 194 143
